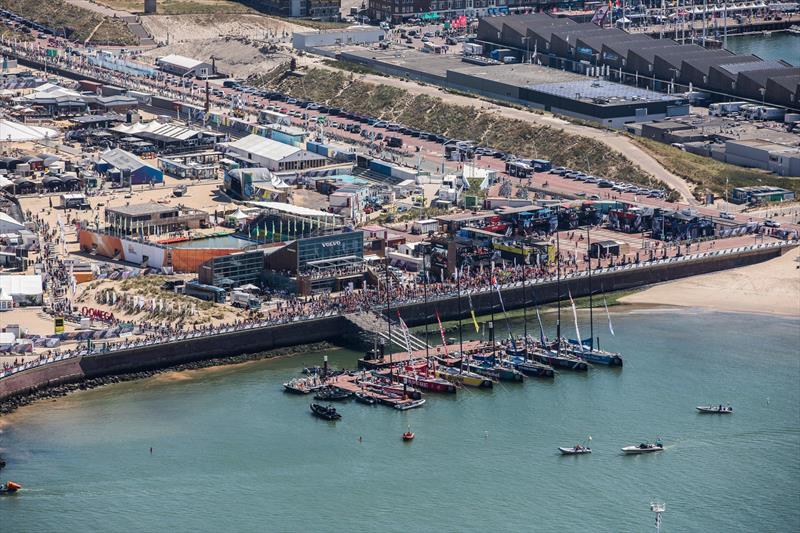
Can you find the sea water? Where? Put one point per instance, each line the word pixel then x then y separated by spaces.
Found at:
pixel 232 452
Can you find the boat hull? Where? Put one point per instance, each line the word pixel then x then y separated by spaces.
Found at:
pixel 554 360
pixel 467 379
pixel 714 410
pixel 530 368
pixel 597 357
pixel 635 450
pixel 573 451
pixel 431 385
pixel 325 414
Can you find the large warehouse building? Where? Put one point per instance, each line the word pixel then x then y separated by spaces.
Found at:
pixel 578 47
pixel 567 93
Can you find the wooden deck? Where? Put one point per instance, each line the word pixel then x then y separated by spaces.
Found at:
pixel 399 357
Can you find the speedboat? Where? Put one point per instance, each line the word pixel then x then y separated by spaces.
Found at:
pixel 9 487
pixel 408 435
pixel 715 409
pixel 302 385
pixel 645 447
pixel 366 398
pixel 410 404
pixel 575 450
pixel 327 413
pixel 332 394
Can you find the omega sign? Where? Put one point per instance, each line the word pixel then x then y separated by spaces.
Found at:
pixel 331 244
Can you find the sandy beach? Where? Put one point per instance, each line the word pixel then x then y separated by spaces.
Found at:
pixel 772 287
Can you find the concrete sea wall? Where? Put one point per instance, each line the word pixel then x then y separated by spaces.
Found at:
pixel 253 340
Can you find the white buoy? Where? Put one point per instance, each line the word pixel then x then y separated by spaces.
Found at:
pixel 658 508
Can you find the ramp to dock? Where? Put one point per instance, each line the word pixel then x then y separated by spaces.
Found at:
pixel 373 323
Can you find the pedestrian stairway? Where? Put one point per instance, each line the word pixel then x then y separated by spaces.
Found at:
pixel 370 323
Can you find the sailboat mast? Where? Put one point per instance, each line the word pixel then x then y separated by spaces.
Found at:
pixel 558 287
pixel 524 299
pixel 388 316
pixel 591 313
pixel 458 293
pixel 427 309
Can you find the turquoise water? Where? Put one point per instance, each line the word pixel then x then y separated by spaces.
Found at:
pixel 777 45
pixel 225 241
pixel 231 452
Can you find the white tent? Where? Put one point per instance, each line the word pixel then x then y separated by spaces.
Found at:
pixel 6 301
pixel 16 132
pixel 8 224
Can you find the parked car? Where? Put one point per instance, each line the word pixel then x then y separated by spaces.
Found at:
pixel 726 215
pixel 772 223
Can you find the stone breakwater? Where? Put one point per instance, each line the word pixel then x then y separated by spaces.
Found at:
pixel 11 404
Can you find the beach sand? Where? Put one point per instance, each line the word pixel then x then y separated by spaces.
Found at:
pixel 772 287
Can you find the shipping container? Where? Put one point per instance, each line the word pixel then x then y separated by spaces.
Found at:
pixel 724 108
pixel 381 167
pixel 499 53
pixel 163 103
pixel 473 49
pixel 142 98
pixel 88 85
pixel 404 173
pixel 111 90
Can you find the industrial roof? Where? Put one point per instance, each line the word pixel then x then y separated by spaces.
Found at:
pixel 93 119
pixel 704 63
pixel 749 66
pixel 263 147
pixel 122 160
pixel 158 131
pixel 761 76
pixel 149 208
pixel 521 74
pixel 180 61
pixel 27 285
pixel 602 92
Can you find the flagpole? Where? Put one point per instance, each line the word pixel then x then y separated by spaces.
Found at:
pixel 558 287
pixel 427 309
pixel 460 334
pixel 591 313
pixel 388 315
pixel 524 301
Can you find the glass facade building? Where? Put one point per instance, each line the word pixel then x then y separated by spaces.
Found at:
pixel 328 251
pixel 234 270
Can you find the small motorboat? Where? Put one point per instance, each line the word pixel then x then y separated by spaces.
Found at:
pixel 366 398
pixel 715 409
pixel 575 450
pixel 408 435
pixel 645 447
pixel 332 394
pixel 411 404
pixel 9 487
pixel 325 412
